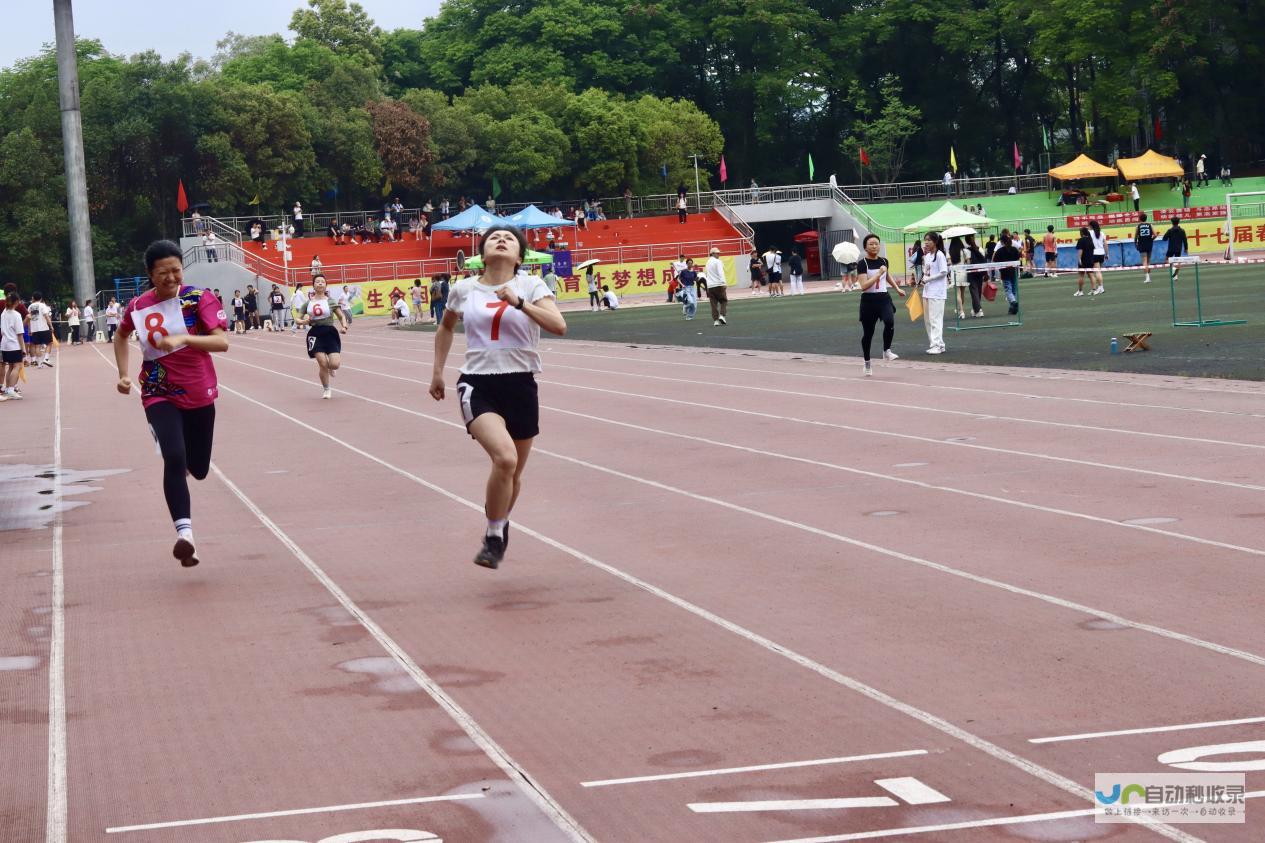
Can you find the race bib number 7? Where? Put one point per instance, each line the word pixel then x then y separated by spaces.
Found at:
pixel 164 319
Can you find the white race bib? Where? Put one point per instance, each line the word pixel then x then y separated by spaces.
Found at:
pixel 164 319
pixel 318 309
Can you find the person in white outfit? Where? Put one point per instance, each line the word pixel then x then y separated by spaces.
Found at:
pixel 935 289
pixel 296 301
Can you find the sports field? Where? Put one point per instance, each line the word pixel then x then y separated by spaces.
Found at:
pixel 1040 204
pixel 1058 331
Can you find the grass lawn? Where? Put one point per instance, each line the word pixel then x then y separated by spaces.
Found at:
pixel 1059 331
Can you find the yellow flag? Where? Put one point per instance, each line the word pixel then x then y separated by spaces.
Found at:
pixel 254 201
pixel 914 303
pixel 953 160
pixel 386 188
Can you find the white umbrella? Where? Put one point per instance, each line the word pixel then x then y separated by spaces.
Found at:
pixel 586 264
pixel 957 231
pixel 845 252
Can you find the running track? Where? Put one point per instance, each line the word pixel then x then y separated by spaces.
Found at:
pixel 720 561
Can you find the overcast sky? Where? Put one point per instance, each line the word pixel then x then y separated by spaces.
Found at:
pixel 132 26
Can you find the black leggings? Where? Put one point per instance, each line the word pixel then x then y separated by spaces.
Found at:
pixel 876 306
pixel 184 438
pixel 595 298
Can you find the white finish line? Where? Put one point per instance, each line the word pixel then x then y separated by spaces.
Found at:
pixel 1149 730
pixel 755 768
pixel 329 809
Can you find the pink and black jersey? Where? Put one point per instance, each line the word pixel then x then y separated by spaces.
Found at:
pixel 186 376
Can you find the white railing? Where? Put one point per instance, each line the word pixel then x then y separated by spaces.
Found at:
pixel 731 216
pixel 313 223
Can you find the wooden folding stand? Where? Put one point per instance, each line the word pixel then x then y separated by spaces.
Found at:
pixel 1138 341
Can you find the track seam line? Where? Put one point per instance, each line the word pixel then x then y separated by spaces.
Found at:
pixel 1159 631
pixel 1010 452
pixel 906 367
pixel 915 407
pixel 537 794
pixel 476 733
pixel 56 822
pixel 939 724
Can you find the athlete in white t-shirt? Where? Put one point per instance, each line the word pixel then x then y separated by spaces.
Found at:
pixel 12 348
pixel 41 319
pixel 503 310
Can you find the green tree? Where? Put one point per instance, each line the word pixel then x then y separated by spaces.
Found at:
pixel 885 136
pixel 344 28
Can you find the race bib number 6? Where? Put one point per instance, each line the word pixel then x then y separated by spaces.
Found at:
pixel 318 310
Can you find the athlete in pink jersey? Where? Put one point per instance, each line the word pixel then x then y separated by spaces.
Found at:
pixel 178 327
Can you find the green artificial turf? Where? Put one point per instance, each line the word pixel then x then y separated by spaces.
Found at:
pixel 1059 331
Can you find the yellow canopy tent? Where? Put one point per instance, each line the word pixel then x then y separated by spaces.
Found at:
pixel 1149 165
pixel 1082 167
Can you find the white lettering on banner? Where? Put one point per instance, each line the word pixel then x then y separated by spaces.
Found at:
pixel 382 835
pixel 1188 758
pixel 164 319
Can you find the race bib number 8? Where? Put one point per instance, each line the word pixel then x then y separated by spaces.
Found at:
pixel 164 319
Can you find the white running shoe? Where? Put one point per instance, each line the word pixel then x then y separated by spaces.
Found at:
pixel 1078 293
pixel 328 393
pixel 13 394
pixel 1098 290
pixel 935 349
pixel 722 321
pixel 1146 280
pixel 890 355
pixel 716 323
pixel 868 370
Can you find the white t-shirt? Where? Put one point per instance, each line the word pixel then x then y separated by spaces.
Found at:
pixel 499 339
pixel 298 212
pixel 612 300
pixel 1100 242
pixel 10 330
pixel 112 314
pixel 1133 191
pixel 935 276
pixel 296 301
pixel 88 314
pixel 39 314
pixel 401 307
pixel 714 272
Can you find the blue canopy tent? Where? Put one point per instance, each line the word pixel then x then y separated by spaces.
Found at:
pixel 472 219
pixel 533 217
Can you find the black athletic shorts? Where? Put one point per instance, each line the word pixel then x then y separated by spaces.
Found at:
pixel 876 307
pixel 775 277
pixel 14 356
pixel 41 338
pixel 323 339
pixel 1145 245
pixel 1087 262
pixel 1051 258
pixel 511 396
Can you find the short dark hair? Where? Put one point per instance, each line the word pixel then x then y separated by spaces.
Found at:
pixel 1027 231
pixel 518 235
pixel 1176 220
pixel 1050 228
pixel 1142 216
pixel 160 249
pixel 866 239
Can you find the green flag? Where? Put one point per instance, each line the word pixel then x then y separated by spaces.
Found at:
pixel 1045 138
pixel 810 167
pixel 496 188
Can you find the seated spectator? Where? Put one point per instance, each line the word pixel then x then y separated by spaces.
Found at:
pixel 387 229
pixel 415 227
pixel 333 233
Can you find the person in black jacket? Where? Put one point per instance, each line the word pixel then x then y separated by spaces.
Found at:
pixel 1175 237
pixel 1006 251
pixel 975 279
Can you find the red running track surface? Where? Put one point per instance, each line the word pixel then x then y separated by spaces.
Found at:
pixel 883 589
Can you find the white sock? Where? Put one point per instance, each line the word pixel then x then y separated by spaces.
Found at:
pixel 45 356
pixel 497 527
pixel 184 528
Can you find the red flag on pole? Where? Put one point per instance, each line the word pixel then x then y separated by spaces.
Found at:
pixel 865 159
pixel 182 201
pixel 724 172
pixel 1159 133
pixel 1018 157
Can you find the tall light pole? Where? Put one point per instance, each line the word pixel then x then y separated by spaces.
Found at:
pixel 72 147
pixel 698 193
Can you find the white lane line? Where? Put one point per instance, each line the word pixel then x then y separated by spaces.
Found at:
pixel 891 405
pixel 787 765
pixel 676 362
pixel 994 821
pixel 534 791
pixel 873 475
pixel 1211 724
pixel 817 531
pixel 264 815
pixel 1008 452
pixel 912 791
pixel 938 723
pixel 55 825
pixel 930 829
pixel 843 803
pixel 537 794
